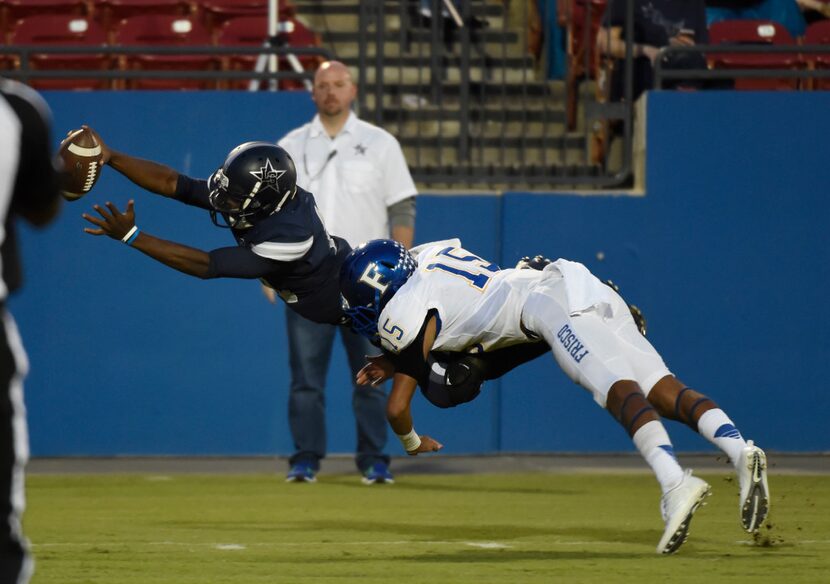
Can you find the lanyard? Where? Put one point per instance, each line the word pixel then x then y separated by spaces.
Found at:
pixel 311 179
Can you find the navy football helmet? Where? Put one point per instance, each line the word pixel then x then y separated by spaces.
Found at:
pixel 369 277
pixel 256 180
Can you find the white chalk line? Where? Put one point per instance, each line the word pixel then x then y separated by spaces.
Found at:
pixel 487 545
pixel 238 546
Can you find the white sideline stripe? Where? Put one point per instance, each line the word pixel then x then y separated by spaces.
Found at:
pixel 81 151
pixel 483 545
pixel 234 546
pixel 789 542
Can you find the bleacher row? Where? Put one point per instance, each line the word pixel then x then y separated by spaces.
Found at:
pixel 126 23
pixel 577 15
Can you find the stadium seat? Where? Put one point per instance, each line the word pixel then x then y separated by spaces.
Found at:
pixel 754 32
pixel 111 12
pixel 18 9
pixel 13 10
pixel 165 30
pixel 574 15
pixel 818 33
pixel 251 31
pixel 63 29
pixel 217 12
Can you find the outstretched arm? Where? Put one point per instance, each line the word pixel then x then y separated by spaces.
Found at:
pixel 149 175
pixel 117 225
pixel 398 406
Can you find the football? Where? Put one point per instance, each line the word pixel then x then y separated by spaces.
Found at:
pixel 82 161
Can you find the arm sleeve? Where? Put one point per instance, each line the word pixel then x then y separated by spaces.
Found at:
pixel 410 360
pixel 397 181
pixel 402 213
pixel 193 192
pixel 239 262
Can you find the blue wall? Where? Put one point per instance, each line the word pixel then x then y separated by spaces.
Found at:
pixel 727 254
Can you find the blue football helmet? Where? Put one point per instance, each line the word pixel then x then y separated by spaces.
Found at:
pixel 255 181
pixel 369 277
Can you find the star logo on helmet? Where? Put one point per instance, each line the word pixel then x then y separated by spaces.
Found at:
pixel 268 176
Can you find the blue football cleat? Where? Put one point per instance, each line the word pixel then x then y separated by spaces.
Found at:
pixel 301 472
pixel 378 474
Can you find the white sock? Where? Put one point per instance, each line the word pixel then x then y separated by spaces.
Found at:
pixel 653 443
pixel 717 428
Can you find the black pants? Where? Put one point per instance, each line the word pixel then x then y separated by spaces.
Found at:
pixel 15 562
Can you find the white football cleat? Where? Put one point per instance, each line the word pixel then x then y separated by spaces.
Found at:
pixel 678 506
pixel 752 476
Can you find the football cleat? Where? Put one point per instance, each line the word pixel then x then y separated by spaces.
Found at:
pixel 301 473
pixel 752 476
pixel 677 507
pixel 378 474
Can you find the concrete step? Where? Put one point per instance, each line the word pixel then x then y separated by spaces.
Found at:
pixel 494 140
pixel 413 96
pixel 422 75
pixel 338 7
pixel 446 62
pixel 449 129
pixel 530 90
pixel 350 21
pixel 498 114
pixel 496 156
pixel 347 49
pixel 500 177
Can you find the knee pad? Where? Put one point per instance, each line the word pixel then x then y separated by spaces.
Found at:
pixel 686 412
pixel 633 407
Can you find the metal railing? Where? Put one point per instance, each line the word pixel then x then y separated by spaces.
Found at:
pixel 464 99
pixel 662 74
pixel 466 102
pixel 26 73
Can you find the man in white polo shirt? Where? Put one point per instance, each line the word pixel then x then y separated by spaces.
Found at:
pixel 364 191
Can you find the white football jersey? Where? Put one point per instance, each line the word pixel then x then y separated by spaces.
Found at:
pixel 479 305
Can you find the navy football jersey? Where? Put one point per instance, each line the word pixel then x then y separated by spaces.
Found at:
pixel 290 251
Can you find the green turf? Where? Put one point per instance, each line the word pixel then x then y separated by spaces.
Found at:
pixel 130 529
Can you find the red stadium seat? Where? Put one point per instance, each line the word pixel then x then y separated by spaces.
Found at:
pixel 165 30
pixel 18 9
pixel 754 32
pixel 63 29
pixel 251 31
pixel 818 33
pixel 13 10
pixel 217 12
pixel 111 12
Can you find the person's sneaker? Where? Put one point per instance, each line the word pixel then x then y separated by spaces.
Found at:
pixel 678 506
pixel 301 473
pixel 752 476
pixel 378 474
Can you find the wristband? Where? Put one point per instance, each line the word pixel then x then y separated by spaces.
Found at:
pixel 130 236
pixel 410 441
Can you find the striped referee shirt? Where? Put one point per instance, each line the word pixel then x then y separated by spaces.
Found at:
pixel 28 180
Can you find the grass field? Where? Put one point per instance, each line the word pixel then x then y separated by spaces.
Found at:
pixel 248 529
